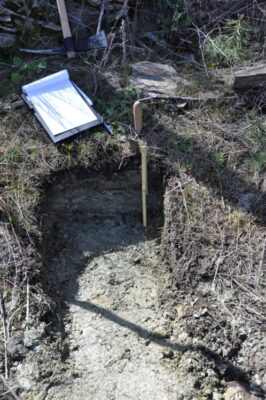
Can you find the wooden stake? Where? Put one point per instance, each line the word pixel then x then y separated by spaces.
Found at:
pixel 137 113
pixel 66 28
pixel 144 181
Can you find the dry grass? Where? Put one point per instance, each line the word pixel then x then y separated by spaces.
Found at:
pixel 28 159
pixel 208 235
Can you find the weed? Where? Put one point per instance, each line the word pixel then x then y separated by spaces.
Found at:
pixel 230 46
pixel 173 18
pixel 26 69
pixel 119 106
pixel 258 161
pixel 87 59
pixel 255 133
pixel 190 198
pixel 255 136
pixel 237 218
pixel 219 159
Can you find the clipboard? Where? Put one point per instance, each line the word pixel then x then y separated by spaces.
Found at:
pixel 60 106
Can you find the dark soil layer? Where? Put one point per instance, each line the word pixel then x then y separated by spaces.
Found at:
pixel 87 213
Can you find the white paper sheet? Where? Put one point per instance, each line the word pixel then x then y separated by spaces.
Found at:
pixel 58 103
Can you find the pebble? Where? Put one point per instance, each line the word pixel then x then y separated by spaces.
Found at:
pixel 217 396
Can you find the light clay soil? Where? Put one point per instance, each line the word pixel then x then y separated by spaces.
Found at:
pixel 113 354
pixel 110 277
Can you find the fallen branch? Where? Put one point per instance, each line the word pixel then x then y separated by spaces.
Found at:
pixel 4 319
pixel 14 105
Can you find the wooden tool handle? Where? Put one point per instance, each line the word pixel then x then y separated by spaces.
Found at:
pixel 144 180
pixel 68 40
pixel 137 113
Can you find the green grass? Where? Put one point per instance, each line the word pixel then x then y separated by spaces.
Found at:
pixel 230 46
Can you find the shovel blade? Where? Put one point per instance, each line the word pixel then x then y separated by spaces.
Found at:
pixel 98 41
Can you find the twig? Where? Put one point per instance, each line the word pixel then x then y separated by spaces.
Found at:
pixel 28 305
pixel 248 291
pixel 184 200
pixel 201 46
pixel 262 260
pixel 5 108
pixel 177 186
pixel 101 17
pixel 108 50
pixel 3 315
pixel 124 41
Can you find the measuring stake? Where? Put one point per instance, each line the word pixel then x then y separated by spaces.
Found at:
pixel 137 113
pixel 144 180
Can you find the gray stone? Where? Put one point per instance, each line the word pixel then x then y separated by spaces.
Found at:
pixel 33 336
pixel 15 347
pixel 7 40
pixel 155 79
pixel 250 78
pixel 217 396
pixel 246 201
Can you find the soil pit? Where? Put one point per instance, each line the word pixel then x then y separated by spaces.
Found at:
pixel 86 214
pixel 102 268
pixel 107 334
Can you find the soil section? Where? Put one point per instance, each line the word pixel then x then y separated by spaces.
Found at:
pixel 103 271
pixel 106 334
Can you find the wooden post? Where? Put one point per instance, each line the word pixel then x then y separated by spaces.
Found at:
pixel 137 113
pixel 68 40
pixel 144 181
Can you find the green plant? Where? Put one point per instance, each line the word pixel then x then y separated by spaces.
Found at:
pixel 117 110
pixel 173 17
pixel 219 159
pixel 230 46
pixel 87 59
pixel 25 69
pixel 255 133
pixel 258 161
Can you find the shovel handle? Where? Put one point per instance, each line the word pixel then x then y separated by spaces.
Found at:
pixel 68 40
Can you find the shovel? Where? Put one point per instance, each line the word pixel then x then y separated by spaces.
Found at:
pixel 98 41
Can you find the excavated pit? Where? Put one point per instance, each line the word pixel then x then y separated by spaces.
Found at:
pixel 86 214
pixel 103 271
pixel 106 334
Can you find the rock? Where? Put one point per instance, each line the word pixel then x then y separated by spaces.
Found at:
pixel 201 313
pixel 217 396
pixel 15 347
pixel 26 384
pixel 181 311
pixel 235 391
pixel 246 201
pixel 7 40
pixel 33 336
pixel 250 78
pixel 28 373
pixel 156 79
